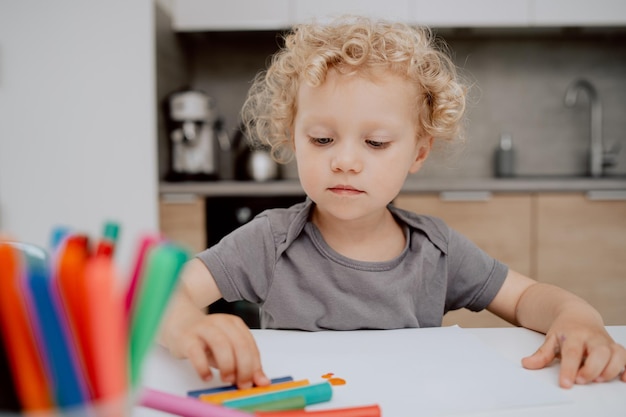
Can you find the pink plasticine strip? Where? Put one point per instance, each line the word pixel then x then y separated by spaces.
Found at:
pixel 185 406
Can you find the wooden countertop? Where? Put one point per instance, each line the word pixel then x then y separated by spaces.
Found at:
pixel 615 186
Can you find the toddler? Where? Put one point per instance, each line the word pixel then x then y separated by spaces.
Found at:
pixel 359 104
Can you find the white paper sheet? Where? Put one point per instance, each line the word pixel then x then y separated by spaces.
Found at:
pixel 409 372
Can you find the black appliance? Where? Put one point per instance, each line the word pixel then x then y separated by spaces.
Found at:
pixel 225 214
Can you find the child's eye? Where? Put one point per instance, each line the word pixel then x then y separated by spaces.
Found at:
pixel 320 141
pixel 377 144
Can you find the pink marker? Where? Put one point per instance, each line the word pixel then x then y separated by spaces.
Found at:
pixel 185 406
pixel 135 280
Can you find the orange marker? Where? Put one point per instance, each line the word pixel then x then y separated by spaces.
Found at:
pixel 26 363
pixel 70 278
pixel 105 310
pixel 219 398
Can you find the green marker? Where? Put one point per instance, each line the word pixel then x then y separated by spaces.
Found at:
pixel 312 394
pixel 165 262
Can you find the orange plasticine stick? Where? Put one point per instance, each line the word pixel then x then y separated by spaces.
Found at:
pixel 220 397
pixel 26 363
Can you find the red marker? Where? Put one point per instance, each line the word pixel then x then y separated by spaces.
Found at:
pixel 106 246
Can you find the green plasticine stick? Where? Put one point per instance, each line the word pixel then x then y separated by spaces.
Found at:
pixel 165 263
pixel 312 394
pixel 292 403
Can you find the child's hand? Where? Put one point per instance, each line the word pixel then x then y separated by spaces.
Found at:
pixel 587 353
pixel 222 341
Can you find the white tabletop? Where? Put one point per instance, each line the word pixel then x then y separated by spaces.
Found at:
pixel 446 371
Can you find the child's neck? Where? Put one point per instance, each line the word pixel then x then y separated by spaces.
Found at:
pixel 377 238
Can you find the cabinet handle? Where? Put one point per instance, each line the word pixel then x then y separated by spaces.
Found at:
pixel 179 198
pixel 465 196
pixel 606 195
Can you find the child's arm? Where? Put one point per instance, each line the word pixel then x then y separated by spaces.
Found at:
pixel 574 330
pixel 222 341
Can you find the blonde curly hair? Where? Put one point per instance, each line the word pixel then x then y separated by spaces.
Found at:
pixel 353 45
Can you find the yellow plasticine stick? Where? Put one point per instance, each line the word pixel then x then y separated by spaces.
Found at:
pixel 220 397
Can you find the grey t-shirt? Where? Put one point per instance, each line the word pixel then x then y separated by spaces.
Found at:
pixel 280 261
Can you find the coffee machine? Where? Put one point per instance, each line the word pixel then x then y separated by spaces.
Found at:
pixel 195 135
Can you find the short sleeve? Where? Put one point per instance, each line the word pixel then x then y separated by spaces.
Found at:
pixel 242 262
pixel 474 276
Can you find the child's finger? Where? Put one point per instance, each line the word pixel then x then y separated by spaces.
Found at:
pixel 260 379
pixel 571 358
pixel 248 363
pixel 615 365
pixel 197 356
pixel 596 361
pixel 221 355
pixel 543 356
pixel 233 348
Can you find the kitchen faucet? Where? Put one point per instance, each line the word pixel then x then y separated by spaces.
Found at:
pixel 598 157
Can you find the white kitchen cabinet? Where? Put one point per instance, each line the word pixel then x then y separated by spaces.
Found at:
pixel 209 15
pixel 78 119
pixel 471 13
pixel 199 15
pixel 578 12
pixel 325 10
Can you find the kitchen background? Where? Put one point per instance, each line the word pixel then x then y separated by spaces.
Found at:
pixel 518 75
pixel 83 137
pixel 519 57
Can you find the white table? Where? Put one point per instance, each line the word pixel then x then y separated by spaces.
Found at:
pixel 302 354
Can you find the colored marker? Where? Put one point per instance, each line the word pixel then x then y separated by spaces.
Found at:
pixel 220 397
pixel 57 236
pixel 106 245
pixel 26 363
pixel 165 262
pixel 56 343
pixel 184 406
pixel 147 243
pixel 313 394
pixel 70 279
pixel 107 329
pixel 9 400
pixel 364 411
pixel 233 387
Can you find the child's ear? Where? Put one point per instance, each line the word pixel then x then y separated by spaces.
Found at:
pixel 423 150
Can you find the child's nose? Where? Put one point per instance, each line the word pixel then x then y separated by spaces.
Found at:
pixel 346 159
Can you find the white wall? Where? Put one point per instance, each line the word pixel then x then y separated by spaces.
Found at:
pixel 77 118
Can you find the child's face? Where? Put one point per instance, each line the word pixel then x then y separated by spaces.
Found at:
pixel 356 141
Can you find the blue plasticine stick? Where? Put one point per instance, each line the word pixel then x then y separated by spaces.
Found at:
pixel 224 388
pixel 55 343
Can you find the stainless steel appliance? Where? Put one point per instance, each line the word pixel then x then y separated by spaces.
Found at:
pixel 196 136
